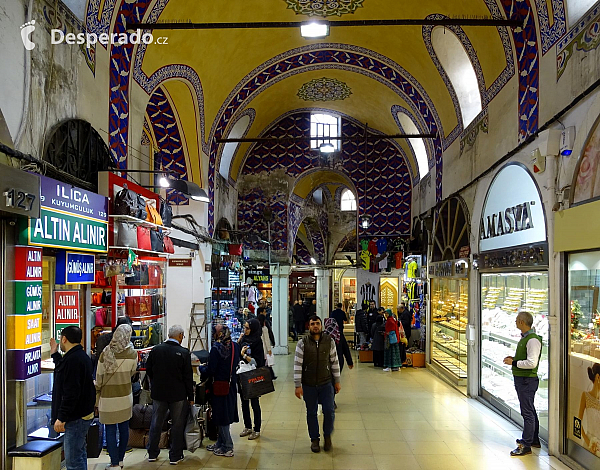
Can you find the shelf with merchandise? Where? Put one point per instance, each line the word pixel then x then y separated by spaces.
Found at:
pixel 450 348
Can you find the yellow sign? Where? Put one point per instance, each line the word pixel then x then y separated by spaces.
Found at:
pixel 27 331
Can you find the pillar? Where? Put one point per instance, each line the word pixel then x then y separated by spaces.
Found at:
pixel 323 282
pixel 280 278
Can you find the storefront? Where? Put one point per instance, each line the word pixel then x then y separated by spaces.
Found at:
pixel 513 264
pixel 580 393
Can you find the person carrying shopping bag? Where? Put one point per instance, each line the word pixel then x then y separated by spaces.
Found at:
pixel 252 338
pixel 394 334
pixel 114 398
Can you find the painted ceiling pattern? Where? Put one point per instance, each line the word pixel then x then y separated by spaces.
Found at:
pixel 302 252
pixel 324 7
pixel 251 207
pixel 324 89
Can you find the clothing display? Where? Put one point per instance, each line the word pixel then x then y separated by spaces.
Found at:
pixel 364 244
pixel 398 260
pixel 382 245
pixel 411 268
pixel 372 247
pixel 365 259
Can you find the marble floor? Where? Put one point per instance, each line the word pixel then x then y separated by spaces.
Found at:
pixel 384 421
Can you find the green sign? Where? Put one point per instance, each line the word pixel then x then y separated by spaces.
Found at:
pixel 61 230
pixel 28 298
pixel 58 327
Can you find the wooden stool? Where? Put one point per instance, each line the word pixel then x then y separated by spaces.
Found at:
pixel 37 455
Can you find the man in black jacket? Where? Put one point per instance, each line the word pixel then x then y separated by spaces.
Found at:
pixel 73 395
pixel 372 315
pixel 169 367
pixel 361 325
pixel 299 318
pixel 405 317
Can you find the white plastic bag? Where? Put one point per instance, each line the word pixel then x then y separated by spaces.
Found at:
pixel 270 360
pixel 193 434
pixel 244 367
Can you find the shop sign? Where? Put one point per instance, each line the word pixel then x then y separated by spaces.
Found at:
pixel 522 257
pixel 259 275
pixel 458 268
pixel 66 310
pixel 69 218
pixel 513 213
pixel 75 268
pixel 24 340
pixel 180 262
pixel 19 192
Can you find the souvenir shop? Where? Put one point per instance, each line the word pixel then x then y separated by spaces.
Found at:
pixel 580 251
pixel 229 292
pixel 414 296
pixel 303 286
pixel 449 279
pixel 513 267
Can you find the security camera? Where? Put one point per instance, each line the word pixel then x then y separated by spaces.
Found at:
pixel 567 140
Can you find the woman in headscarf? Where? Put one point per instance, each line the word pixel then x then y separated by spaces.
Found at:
pixel 392 359
pixel 223 360
pixel 252 338
pixel 267 339
pixel 116 365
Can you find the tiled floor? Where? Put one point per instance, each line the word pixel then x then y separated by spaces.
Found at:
pixel 384 421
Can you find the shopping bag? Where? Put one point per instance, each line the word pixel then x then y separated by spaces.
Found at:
pixel 270 360
pixel 193 435
pixel 244 367
pixel 393 338
pixel 256 383
pixel 94 439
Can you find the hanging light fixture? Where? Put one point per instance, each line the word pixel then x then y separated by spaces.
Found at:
pixel 163 181
pixel 365 221
pixel 326 147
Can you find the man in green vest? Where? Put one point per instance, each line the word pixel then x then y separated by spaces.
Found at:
pixel 524 368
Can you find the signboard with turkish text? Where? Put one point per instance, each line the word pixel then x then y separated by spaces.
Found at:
pixel 69 218
pixel 24 340
pixel 66 310
pixel 180 262
pixel 75 268
pixel 259 275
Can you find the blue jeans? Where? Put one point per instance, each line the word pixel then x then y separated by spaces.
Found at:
pixel 224 440
pixel 526 388
pixel 324 395
pixel 116 451
pixel 179 411
pixel 75 443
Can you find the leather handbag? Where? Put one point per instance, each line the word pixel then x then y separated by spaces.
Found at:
pixel 155 276
pixel 106 297
pixel 139 438
pixel 138 306
pixel 157 305
pixel 221 387
pixel 140 276
pixel 102 318
pixel 126 234
pixel 235 249
pixel 168 244
pixel 141 417
pixel 141 208
pixel 143 239
pixel 126 203
pixel 156 240
pixel 152 214
pixel 166 212
pixel 100 279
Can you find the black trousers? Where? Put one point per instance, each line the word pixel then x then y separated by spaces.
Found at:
pixel 378 358
pixel 246 413
pixel 526 388
pixel 299 327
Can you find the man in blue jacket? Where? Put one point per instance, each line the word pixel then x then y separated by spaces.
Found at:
pixel 73 395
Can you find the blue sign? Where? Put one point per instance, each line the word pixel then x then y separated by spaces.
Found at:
pixel 75 268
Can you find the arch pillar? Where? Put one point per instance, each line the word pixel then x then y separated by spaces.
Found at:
pixel 280 278
pixel 323 283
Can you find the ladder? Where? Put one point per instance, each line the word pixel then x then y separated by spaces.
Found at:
pixel 198 334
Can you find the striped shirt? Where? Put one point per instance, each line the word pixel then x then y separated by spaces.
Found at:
pixel 299 361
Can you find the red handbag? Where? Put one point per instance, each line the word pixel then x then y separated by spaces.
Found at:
pixel 100 279
pixel 168 243
pixel 155 276
pixel 138 306
pixel 102 318
pixel 235 249
pixel 143 239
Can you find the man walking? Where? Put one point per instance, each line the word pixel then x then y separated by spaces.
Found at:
pixel 169 367
pixel 315 363
pixel 299 318
pixel 73 395
pixel 524 368
pixel 340 317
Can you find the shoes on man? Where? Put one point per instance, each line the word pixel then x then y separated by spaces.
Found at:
pixel 314 446
pixel 222 453
pixel 211 447
pixel 537 444
pixel 152 459
pixel 254 435
pixel 129 449
pixel 521 450
pixel 176 462
pixel 245 432
pixel 387 369
pixel 327 445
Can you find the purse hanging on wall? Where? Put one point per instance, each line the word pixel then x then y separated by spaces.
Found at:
pixel 143 239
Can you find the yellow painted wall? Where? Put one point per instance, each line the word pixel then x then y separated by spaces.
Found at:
pixel 569 234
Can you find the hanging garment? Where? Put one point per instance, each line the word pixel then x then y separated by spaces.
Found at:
pixel 382 245
pixel 373 247
pixel 383 264
pixel 374 267
pixel 364 244
pixel 411 268
pixel 398 258
pixel 365 258
pixel 253 294
pixel 368 292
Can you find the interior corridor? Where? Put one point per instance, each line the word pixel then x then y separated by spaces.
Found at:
pixel 407 420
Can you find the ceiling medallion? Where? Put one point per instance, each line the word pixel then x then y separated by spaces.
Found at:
pixel 324 89
pixel 324 8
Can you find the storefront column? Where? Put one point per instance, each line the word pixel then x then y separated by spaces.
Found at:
pixel 323 279
pixel 280 278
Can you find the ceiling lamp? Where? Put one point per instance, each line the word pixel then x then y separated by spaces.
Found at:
pixel 190 189
pixel 326 147
pixel 313 261
pixel 314 30
pixel 365 221
pixel 164 181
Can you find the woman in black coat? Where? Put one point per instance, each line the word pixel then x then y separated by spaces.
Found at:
pixel 224 358
pixel 252 338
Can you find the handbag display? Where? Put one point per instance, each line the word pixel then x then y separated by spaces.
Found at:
pixel 143 239
pixel 102 318
pixel 140 276
pixel 155 276
pixel 126 203
pixel 106 298
pixel 100 279
pixel 126 234
pixel 156 240
pixel 152 214
pixel 256 383
pixel 166 212
pixel 221 387
pixel 157 304
pixel 141 206
pixel 138 306
pixel 168 244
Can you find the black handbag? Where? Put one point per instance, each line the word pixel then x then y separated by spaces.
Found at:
pixel 156 240
pixel 94 439
pixel 157 305
pixel 256 383
pixel 166 212
pixel 140 276
pixel 126 203
pixel 141 208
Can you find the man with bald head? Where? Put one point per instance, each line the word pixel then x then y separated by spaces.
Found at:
pixel 524 368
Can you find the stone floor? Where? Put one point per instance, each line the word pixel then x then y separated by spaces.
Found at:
pixel 384 421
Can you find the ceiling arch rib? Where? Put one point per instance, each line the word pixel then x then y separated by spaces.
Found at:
pixel 239 129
